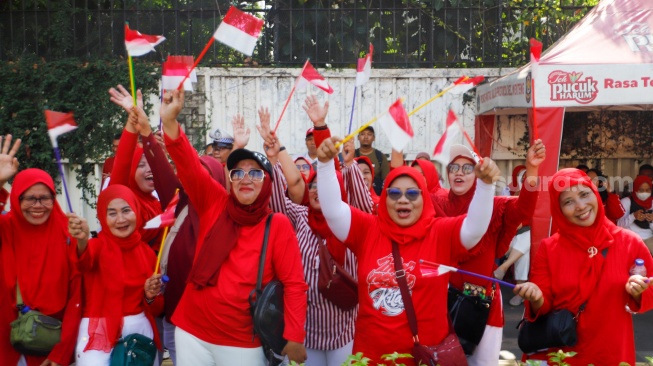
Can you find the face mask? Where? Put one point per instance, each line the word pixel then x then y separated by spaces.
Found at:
pixel 643 196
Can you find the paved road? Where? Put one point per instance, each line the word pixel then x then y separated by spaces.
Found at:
pixel 643 330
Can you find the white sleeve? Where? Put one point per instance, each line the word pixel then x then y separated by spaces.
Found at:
pixel 336 212
pixel 478 215
pixel 627 219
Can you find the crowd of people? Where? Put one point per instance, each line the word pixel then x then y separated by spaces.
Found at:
pixel 378 218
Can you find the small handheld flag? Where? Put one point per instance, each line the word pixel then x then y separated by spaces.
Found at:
pixel 138 44
pixel 432 269
pixel 59 123
pixel 239 31
pixel 396 126
pixel 467 84
pixel 175 69
pixel 310 76
pixel 363 72
pixel 170 209
pixel 167 218
pixel 448 138
pixel 536 53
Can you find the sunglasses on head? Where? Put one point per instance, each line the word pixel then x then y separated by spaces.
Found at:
pixel 256 175
pixel 411 194
pixel 467 168
pixel 303 166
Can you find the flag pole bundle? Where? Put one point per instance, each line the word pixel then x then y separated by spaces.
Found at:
pixel 59 123
pixel 432 269
pixel 536 52
pixel 308 76
pixel 363 71
pixel 238 30
pixel 138 44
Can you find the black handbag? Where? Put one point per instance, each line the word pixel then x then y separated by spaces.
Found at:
pixel 553 330
pixel 266 307
pixel 469 314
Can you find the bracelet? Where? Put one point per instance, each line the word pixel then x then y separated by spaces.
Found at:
pixel 282 148
pixel 148 301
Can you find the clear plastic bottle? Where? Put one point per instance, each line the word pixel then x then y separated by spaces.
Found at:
pixel 638 268
pixel 164 281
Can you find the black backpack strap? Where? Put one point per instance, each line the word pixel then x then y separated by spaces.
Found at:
pixel 261 263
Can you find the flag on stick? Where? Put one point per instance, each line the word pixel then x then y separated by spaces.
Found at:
pixel 165 219
pixel 138 44
pixel 239 31
pixel 440 94
pixel 432 269
pixel 364 68
pixel 536 53
pixel 174 71
pixel 448 138
pixel 310 76
pixel 170 210
pixel 361 128
pixel 396 126
pixel 59 123
pixel 467 84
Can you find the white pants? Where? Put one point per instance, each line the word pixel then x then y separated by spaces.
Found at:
pixel 487 352
pixel 334 357
pixel 131 324
pixel 192 351
pixel 169 340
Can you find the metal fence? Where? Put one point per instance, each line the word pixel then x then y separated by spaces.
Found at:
pixel 405 33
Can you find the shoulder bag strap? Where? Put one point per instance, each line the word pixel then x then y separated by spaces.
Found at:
pixel 261 264
pixel 604 252
pixel 400 274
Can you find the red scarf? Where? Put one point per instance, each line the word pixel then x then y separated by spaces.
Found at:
pixel 36 254
pixel 405 235
pixel 150 205
pixel 103 332
pixel 320 228
pixel 639 180
pixel 223 236
pixel 430 173
pixel 583 238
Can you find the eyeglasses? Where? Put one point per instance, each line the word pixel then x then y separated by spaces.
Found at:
pixel 256 175
pixel 302 167
pixel 31 201
pixel 467 168
pixel 412 194
pixel 312 186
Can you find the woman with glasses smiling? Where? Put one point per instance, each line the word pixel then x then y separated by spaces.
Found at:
pixel 508 213
pixel 407 222
pixel 37 260
pixel 213 319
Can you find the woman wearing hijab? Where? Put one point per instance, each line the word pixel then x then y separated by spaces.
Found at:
pixel 611 202
pixel 214 324
pixel 430 174
pixel 115 265
pixel 638 216
pixel 587 262
pixel 406 218
pixel 38 256
pixel 507 214
pixel 367 169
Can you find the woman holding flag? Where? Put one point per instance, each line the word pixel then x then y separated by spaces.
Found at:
pixel 407 219
pixel 584 268
pixel 37 261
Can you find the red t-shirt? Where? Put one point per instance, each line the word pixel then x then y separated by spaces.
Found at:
pixel 382 325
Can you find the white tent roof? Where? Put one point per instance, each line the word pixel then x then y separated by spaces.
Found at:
pixel 605 60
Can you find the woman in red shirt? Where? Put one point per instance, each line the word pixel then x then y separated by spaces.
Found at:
pixel 35 254
pixel 115 265
pixel 571 268
pixel 214 324
pixel 404 217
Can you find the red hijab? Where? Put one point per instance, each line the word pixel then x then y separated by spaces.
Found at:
pixel 365 160
pixel 453 204
pixel 405 235
pixel 103 332
pixel 639 180
pixel 150 205
pixel 516 179
pixel 36 254
pixel 430 173
pixel 223 236
pixel 320 228
pixel 582 238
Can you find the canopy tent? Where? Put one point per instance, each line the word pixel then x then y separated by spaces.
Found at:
pixel 604 62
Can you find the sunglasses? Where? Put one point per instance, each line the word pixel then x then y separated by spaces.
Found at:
pixel 411 194
pixel 303 167
pixel 256 175
pixel 312 186
pixel 467 168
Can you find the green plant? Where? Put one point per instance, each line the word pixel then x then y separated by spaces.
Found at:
pixel 558 358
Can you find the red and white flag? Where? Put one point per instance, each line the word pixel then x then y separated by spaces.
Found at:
pixel 396 126
pixel 364 68
pixel 450 137
pixel 310 76
pixel 536 50
pixel 239 31
pixel 138 44
pixel 432 269
pixel 167 218
pixel 174 70
pixel 58 124
pixel 465 83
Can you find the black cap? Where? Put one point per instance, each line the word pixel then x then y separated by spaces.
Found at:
pixel 242 154
pixel 369 128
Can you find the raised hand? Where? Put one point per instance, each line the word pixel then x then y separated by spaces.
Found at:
pixel 122 98
pixel 487 171
pixel 138 120
pixel 536 154
pixel 315 111
pixel 78 227
pixel 327 151
pixel 263 127
pixel 241 135
pixel 171 105
pixel 8 161
pixel 348 150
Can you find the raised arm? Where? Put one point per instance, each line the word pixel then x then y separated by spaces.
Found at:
pixel 480 209
pixel 336 212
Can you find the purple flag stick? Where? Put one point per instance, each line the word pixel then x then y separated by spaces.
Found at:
pixel 487 278
pixel 351 117
pixel 63 178
pixel 441 269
